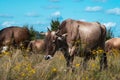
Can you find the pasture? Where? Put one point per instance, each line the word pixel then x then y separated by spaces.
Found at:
pixel 19 65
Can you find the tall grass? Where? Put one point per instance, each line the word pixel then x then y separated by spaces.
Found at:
pixel 16 65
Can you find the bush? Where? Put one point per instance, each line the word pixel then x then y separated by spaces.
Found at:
pixel 33 33
pixel 109 34
pixel 54 24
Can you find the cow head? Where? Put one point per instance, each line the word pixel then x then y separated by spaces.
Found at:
pixel 53 42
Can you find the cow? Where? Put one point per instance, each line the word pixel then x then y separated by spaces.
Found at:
pixel 36 46
pixel 14 36
pixel 77 38
pixel 113 43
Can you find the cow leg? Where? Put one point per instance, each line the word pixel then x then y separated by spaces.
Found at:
pixel 86 59
pixel 69 57
pixel 66 55
pixel 103 61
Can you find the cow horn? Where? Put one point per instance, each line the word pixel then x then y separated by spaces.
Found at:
pixel 48 29
pixel 59 38
pixel 64 35
pixel 57 32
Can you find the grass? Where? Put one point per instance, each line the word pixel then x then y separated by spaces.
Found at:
pixel 17 65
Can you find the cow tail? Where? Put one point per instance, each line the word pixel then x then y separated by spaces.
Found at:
pixel 103 36
pixel 103 61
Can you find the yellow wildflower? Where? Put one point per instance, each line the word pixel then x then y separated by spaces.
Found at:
pixel 17 67
pixel 28 50
pixel 77 65
pixel 1 55
pixel 101 51
pixel 93 65
pixel 97 52
pixel 23 74
pixel 54 69
pixel 33 71
pixel 27 68
pixel 86 78
pixel 6 53
pixel 93 52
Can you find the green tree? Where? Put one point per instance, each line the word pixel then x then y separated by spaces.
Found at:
pixel 109 34
pixel 54 24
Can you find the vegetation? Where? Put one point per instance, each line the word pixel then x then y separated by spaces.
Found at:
pixel 36 34
pixel 54 24
pixel 109 34
pixel 15 65
pixel 33 33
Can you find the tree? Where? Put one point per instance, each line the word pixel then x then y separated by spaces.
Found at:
pixel 109 34
pixel 33 33
pixel 54 24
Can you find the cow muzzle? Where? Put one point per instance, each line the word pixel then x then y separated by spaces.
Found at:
pixel 4 48
pixel 48 57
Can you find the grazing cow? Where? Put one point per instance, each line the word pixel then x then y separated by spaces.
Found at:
pixel 113 43
pixel 36 46
pixel 77 38
pixel 14 36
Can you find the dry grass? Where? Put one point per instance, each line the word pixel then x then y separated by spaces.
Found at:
pixel 16 65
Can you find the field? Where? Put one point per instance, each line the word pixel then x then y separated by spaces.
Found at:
pixel 18 65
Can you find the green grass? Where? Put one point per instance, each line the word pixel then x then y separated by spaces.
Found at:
pixel 17 65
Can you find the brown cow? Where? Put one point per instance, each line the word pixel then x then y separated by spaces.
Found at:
pixel 113 43
pixel 14 36
pixel 36 46
pixel 77 38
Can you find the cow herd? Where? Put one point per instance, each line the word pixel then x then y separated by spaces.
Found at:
pixel 73 38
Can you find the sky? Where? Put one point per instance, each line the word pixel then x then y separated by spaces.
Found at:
pixel 39 13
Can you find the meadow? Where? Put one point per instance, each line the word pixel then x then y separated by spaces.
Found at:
pixel 19 65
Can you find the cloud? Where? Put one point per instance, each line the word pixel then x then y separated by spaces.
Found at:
pixel 82 20
pixel 110 24
pixel 32 14
pixel 52 7
pixel 100 0
pixel 78 0
pixel 56 15
pixel 93 9
pixel 5 16
pixel 38 23
pixel 54 0
pixel 115 11
pixel 8 23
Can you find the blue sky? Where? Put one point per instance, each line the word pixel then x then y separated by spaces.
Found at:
pixel 40 12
